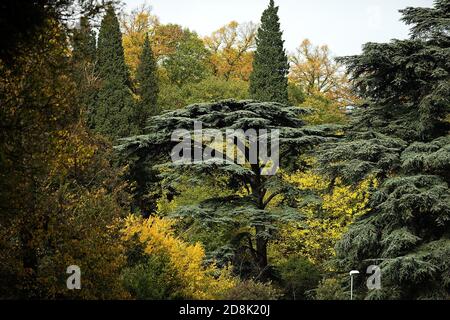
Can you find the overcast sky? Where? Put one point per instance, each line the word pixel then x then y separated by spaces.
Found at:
pixel 342 24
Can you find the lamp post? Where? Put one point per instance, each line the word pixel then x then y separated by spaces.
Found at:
pixel 352 273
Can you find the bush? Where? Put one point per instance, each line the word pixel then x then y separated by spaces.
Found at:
pixel 330 289
pixel 252 290
pixel 153 280
pixel 299 277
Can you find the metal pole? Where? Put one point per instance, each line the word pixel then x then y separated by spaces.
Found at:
pixel 351 287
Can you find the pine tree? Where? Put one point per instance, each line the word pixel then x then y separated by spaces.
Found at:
pixel 268 81
pixel 147 86
pixel 402 137
pixel 114 114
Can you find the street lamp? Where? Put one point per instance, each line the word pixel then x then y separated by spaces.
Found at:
pixel 352 273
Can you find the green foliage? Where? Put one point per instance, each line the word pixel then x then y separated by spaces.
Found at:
pixel 189 62
pixel 114 115
pixel 325 110
pixel 268 81
pixel 401 136
pixel 295 94
pixel 155 279
pixel 330 289
pixel 111 58
pixel 247 208
pixel 84 59
pixel 211 89
pixel 84 42
pixel 299 276
pixel 251 290
pixel 148 87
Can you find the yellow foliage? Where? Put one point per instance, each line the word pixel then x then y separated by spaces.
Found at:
pixel 190 194
pixel 72 151
pixel 231 47
pixel 136 25
pixel 326 221
pixel 315 70
pixel 198 281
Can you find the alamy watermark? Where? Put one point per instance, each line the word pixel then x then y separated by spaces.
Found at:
pixel 74 280
pixel 255 147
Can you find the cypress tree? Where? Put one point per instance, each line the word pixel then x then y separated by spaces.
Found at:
pixel 268 81
pixel 401 136
pixel 114 114
pixel 84 61
pixel 147 86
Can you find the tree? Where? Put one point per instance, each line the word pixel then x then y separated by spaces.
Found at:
pixel 210 89
pixel 84 61
pixel 231 47
pixel 191 278
pixel 268 81
pixel 114 114
pixel 314 70
pixel 148 88
pixel 60 196
pixel 401 136
pixel 247 211
pixel 136 26
pixel 166 38
pixel 189 62
pixel 328 215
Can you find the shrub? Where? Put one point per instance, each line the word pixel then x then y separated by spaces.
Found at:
pixel 253 290
pixel 330 289
pixel 299 276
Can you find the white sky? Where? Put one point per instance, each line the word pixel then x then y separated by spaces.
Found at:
pixel 342 24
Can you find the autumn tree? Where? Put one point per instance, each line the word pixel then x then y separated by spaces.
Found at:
pixel 317 73
pixel 60 195
pixel 231 47
pixel 268 80
pixel 166 38
pixel 186 272
pixel 136 26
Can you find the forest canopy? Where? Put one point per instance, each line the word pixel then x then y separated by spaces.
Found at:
pixel 96 103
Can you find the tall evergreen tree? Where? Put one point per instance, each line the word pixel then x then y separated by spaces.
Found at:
pixel 85 75
pixel 268 81
pixel 402 137
pixel 148 88
pixel 84 42
pixel 114 114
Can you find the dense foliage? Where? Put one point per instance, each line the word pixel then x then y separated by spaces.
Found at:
pixel 401 136
pixel 95 104
pixel 268 81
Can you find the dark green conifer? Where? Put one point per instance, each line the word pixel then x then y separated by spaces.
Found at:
pixel 114 114
pixel 84 64
pixel 401 137
pixel 268 81
pixel 148 88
